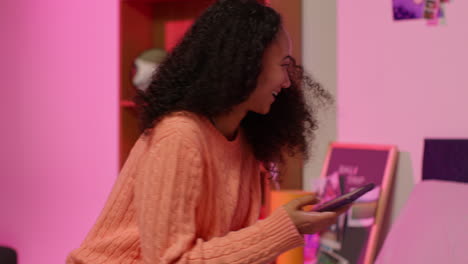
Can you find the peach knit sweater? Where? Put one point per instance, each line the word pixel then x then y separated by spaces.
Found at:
pixel 187 195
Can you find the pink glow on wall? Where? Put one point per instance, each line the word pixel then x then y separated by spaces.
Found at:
pixel 400 82
pixel 60 101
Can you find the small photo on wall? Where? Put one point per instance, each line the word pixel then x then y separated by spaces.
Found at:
pixel 408 9
pixel 416 9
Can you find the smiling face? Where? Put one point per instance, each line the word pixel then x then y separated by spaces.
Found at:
pixel 273 76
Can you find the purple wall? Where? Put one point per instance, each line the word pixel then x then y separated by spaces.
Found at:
pixel 400 82
pixel 59 155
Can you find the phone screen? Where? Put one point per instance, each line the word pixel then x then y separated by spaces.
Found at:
pixel 344 199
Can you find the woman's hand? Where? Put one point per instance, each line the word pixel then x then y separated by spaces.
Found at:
pixel 311 222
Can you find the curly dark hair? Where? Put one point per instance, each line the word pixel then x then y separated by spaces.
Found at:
pixel 215 67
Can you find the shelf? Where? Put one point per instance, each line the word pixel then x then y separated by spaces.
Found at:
pixel 154 1
pixel 127 104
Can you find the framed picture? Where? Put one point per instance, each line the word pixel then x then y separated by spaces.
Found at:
pixel 353 239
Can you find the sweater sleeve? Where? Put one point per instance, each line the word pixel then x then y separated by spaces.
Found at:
pixel 169 184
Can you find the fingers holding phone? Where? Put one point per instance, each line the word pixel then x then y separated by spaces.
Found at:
pixel 323 215
pixel 310 222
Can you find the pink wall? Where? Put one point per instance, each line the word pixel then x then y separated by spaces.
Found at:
pixel 400 82
pixel 59 154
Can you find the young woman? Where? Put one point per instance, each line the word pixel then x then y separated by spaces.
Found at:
pixel 226 101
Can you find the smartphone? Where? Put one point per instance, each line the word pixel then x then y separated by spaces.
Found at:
pixel 344 199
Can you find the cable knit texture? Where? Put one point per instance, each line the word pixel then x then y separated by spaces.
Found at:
pixel 187 195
